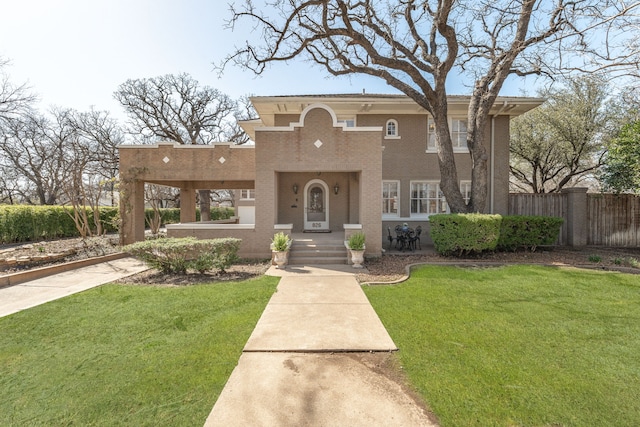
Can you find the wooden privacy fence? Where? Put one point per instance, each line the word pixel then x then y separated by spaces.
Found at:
pixel 591 219
pixel 614 220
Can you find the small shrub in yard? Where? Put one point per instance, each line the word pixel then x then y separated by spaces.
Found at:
pixel 464 233
pixel 529 232
pixel 177 255
pixel 595 258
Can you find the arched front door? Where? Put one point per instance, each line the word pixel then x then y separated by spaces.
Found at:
pixel 316 205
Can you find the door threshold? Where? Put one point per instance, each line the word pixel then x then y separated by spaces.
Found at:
pixel 316 231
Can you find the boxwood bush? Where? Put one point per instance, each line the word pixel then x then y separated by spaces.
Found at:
pixel 459 234
pixel 528 232
pixel 178 255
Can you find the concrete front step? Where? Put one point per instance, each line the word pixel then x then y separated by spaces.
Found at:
pixel 309 251
pixel 317 260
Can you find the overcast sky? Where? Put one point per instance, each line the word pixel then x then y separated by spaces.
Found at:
pixel 75 53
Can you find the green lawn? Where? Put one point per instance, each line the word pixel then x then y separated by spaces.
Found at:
pixel 126 355
pixel 520 345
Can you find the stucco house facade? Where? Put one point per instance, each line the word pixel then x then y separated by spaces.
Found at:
pixel 321 164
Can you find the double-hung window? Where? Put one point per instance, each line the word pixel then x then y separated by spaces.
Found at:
pixel 457 130
pixel 390 199
pixel 427 199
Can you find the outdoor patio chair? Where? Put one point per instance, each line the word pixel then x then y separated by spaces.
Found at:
pixel 400 237
pixel 390 237
pixel 416 238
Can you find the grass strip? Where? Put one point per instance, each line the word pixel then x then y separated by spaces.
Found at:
pixel 126 355
pixel 519 345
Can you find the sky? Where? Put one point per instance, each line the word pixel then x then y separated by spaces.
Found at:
pixel 75 53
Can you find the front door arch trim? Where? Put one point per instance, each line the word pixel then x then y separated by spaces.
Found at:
pixel 316 212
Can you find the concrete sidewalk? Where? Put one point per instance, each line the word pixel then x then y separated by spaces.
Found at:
pixel 311 361
pixel 35 292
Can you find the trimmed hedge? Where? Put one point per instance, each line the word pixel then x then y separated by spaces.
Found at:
pixel 464 233
pixel 178 255
pixel 25 223
pixel 529 232
pixel 458 234
pixel 172 215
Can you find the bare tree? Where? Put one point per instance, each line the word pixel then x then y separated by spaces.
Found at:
pixel 177 108
pixel 14 99
pixel 563 141
pixel 90 159
pixel 415 46
pixel 102 134
pixel 36 156
pixel 244 111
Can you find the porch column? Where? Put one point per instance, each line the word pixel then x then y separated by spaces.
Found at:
pixel 132 212
pixel 187 205
pixel 576 216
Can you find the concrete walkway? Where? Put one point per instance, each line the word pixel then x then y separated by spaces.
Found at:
pixel 35 292
pixel 311 360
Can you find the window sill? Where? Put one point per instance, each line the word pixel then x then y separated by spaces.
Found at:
pixel 455 150
pixel 391 137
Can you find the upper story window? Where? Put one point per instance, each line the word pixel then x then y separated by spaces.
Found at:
pixel 390 198
pixel 391 129
pixel 248 194
pixel 350 122
pixel 458 130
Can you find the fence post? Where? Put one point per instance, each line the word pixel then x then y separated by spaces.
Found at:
pixel 576 216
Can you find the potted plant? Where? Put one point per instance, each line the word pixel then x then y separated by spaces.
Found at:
pixel 356 248
pixel 280 245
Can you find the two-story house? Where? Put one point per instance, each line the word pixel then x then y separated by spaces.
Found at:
pixel 322 163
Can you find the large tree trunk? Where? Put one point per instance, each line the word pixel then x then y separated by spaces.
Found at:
pixel 448 171
pixel 476 126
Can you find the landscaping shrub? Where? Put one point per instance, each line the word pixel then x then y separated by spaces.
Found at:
pixel 172 215
pixel 24 223
pixel 177 255
pixel 529 232
pixel 464 233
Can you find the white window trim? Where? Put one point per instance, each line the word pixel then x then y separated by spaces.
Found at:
pixel 465 182
pixel 392 216
pixel 450 122
pixel 424 215
pixel 345 119
pixel 248 190
pixel 386 129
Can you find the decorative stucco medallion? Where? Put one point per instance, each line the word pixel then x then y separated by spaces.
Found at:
pixel 166 159
pixel 222 160
pixel 318 144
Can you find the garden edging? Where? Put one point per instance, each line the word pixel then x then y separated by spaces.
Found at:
pixel 38 273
